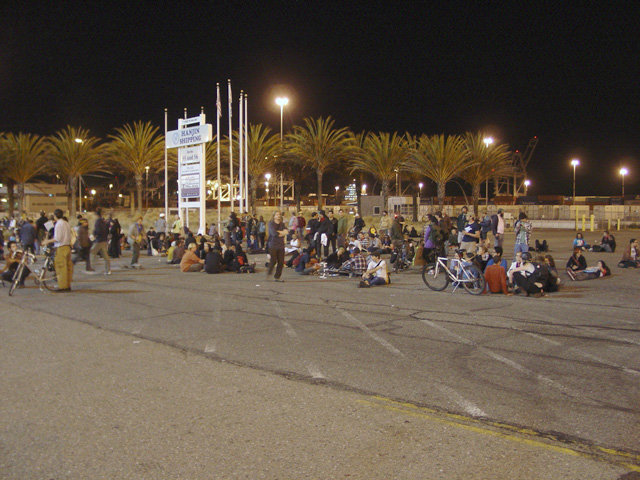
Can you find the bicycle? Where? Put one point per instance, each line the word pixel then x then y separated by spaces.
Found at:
pixel 437 275
pixel 18 276
pixel 46 277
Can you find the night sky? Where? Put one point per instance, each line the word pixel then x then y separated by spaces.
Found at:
pixel 566 74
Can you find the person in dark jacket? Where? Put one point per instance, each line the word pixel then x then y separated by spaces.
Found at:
pixel 323 233
pixel 101 239
pixel 213 261
pixel 28 236
pixel 576 263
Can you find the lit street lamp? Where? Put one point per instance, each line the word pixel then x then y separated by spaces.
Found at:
pixel 526 186
pixel 282 101
pixel 337 188
pixel 146 187
pixel 420 185
pixel 575 162
pixel 266 184
pixel 487 141
pixel 623 172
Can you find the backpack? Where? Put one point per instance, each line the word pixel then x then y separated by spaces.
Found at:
pixel 74 236
pixel 296 261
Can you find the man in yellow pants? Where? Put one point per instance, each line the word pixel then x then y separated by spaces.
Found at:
pixel 62 242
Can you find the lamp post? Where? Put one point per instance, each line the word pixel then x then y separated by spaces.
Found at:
pixel 420 185
pixel 526 186
pixel 337 188
pixel 146 187
pixel 266 184
pixel 623 172
pixel 575 162
pixel 282 101
pixel 487 141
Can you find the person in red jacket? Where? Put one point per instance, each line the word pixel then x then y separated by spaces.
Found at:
pixel 496 277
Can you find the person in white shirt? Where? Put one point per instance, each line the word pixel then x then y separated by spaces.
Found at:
pixel 62 241
pixel 376 273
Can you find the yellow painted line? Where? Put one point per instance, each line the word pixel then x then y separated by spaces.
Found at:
pixel 454 420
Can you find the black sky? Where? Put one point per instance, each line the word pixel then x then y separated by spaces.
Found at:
pixel 566 73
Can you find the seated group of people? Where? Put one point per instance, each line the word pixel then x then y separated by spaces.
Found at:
pixel 607 244
pixel 209 257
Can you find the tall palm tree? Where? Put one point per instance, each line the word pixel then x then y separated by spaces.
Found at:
pixel 134 148
pixel 487 161
pixel 73 153
pixel 382 155
pixel 319 145
pixel 439 158
pixel 25 157
pixel 263 152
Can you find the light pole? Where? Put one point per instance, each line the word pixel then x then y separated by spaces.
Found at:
pixel 146 187
pixel 397 190
pixel 623 172
pixel 337 188
pixel 282 101
pixel 526 186
pixel 420 185
pixel 575 162
pixel 266 184
pixel 487 141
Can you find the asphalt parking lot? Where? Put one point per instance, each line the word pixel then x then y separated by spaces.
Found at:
pixel 157 374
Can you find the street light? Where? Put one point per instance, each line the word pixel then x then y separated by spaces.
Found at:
pixel 420 185
pixel 487 141
pixel 623 172
pixel 337 188
pixel 575 162
pixel 146 187
pixel 266 184
pixel 526 186
pixel 78 140
pixel 282 101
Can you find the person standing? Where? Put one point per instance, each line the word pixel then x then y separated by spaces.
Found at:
pixel 135 238
pixel 497 227
pixel 342 228
pixel 62 242
pixel 176 227
pixel 385 224
pixel 300 226
pixel 523 230
pixel 275 245
pixel 41 231
pixel 28 236
pixel 100 245
pixel 461 223
pixel 334 231
pixel 470 236
pixel 161 224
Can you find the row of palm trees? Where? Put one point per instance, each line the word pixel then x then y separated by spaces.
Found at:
pixel 316 146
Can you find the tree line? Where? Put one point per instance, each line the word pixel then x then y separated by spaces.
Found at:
pixel 315 147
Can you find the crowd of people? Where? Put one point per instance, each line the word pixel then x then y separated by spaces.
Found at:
pixel 327 243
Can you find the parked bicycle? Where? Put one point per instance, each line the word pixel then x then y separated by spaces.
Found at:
pixel 22 272
pixel 437 275
pixel 46 276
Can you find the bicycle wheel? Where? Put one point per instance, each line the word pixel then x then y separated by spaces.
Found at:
pixel 435 277
pixel 16 279
pixel 475 281
pixel 48 277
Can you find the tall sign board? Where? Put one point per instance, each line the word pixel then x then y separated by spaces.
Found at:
pixel 190 139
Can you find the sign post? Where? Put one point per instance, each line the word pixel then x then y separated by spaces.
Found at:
pixel 190 139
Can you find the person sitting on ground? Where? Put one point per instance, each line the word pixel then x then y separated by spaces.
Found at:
pixel 190 262
pixel 213 260
pixel 630 257
pixel 452 242
pixel 158 245
pixel 253 244
pixel 553 283
pixel 362 242
pixel 542 246
pixel 515 264
pixel 12 260
pixel 496 276
pixel 580 242
pixel 308 263
pixel 528 277
pixel 386 244
pixel 374 242
pixel 240 258
pixel 576 263
pixel 228 257
pixel 600 270
pixel 294 245
pixel 607 244
pixel 376 273
pixel 337 258
pixel 497 251
pixel 178 253
pixel 356 265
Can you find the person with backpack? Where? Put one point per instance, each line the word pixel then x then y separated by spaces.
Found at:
pixel 100 244
pixel 432 240
pixel 376 273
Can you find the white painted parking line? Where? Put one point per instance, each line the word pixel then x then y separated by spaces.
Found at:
pixel 210 348
pixel 467 406
pixel 313 370
pixel 515 365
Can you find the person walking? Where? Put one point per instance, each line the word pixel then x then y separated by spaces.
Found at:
pixel 62 242
pixel 275 245
pixel 135 238
pixel 100 244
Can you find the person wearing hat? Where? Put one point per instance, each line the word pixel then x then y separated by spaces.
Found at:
pixel 161 224
pixel 497 228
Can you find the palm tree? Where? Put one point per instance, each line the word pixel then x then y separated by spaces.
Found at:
pixel 4 178
pixel 382 155
pixel 25 157
pixel 73 154
pixel 487 161
pixel 319 145
pixel 136 147
pixel 439 158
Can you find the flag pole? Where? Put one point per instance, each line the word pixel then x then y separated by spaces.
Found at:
pixel 231 196
pixel 218 115
pixel 241 156
pixel 246 152
pixel 166 176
